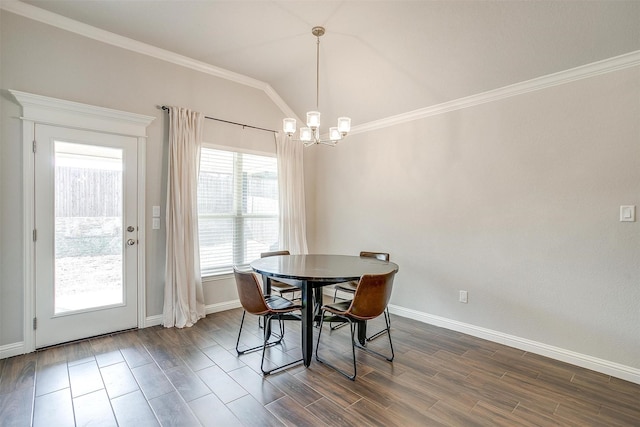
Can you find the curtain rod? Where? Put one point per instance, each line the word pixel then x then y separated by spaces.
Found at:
pixel 164 107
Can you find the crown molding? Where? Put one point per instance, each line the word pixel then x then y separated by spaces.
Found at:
pixel 620 62
pixel 631 59
pixel 53 19
pixel 273 95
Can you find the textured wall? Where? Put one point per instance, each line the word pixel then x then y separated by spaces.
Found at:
pixel 516 201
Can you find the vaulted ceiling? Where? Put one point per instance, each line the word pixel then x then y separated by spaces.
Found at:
pixel 377 58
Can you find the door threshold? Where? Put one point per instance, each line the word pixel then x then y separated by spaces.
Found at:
pixel 85 339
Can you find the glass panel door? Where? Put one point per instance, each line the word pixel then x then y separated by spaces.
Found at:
pixel 86 247
pixel 88 227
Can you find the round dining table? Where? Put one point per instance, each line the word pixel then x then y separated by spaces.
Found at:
pixel 312 272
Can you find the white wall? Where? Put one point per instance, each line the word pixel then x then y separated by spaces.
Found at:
pixel 44 60
pixel 516 201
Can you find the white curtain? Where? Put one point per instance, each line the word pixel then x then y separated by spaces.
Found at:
pixel 293 224
pixel 183 295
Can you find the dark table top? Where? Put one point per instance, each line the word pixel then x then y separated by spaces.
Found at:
pixel 321 268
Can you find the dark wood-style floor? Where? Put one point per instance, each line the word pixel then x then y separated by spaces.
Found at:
pixel 192 377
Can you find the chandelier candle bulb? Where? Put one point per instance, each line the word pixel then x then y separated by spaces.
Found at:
pixel 289 126
pixel 334 134
pixel 313 119
pixel 305 134
pixel 344 125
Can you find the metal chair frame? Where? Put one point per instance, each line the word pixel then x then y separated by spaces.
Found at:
pixel 266 343
pixel 279 287
pixel 347 288
pixel 268 312
pixel 347 317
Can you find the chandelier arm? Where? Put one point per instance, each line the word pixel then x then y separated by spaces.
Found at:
pixel 318 141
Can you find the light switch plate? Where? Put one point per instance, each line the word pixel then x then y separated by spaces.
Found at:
pixel 627 213
pixel 156 224
pixel 156 211
pixel 463 297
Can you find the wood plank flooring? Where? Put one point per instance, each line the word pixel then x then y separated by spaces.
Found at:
pixel 193 377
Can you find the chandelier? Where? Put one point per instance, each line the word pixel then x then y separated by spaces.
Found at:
pixel 310 134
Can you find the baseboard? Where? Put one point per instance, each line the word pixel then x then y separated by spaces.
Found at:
pixel 16 349
pixel 211 308
pixel 10 350
pixel 152 321
pixel 222 306
pixel 617 370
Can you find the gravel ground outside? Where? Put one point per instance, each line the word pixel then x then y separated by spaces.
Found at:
pixel 90 281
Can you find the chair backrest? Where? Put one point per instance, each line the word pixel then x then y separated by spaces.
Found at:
pixel 372 296
pixel 382 256
pixel 274 253
pixel 249 291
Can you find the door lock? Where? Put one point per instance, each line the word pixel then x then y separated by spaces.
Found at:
pixel 131 229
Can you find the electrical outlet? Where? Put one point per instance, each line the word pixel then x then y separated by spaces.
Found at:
pixel 463 297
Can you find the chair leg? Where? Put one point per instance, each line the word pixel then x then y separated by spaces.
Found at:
pixel 265 345
pixel 317 305
pixel 377 334
pixel 338 326
pixel 293 295
pixel 240 331
pixel 353 350
pixel 341 324
pixel 268 344
pixel 387 320
pixel 261 326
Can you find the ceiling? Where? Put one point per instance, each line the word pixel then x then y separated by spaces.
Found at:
pixel 377 58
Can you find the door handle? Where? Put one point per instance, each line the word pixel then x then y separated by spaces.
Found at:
pixel 131 242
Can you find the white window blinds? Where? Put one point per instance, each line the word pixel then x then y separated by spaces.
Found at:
pixel 237 208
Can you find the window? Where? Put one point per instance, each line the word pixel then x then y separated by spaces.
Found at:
pixel 237 208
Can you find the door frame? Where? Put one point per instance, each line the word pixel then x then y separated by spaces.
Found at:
pixel 37 109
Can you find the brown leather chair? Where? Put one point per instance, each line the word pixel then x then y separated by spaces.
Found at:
pixel 267 306
pixel 350 287
pixel 279 287
pixel 369 301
